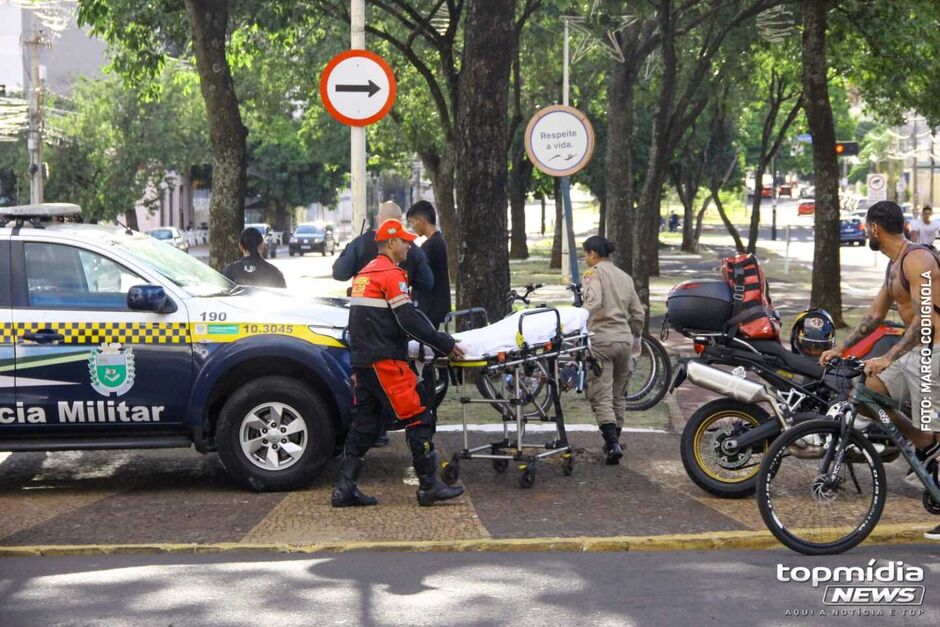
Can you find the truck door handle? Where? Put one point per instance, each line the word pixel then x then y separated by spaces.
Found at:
pixel 43 336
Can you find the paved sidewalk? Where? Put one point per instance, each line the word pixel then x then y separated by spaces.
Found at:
pixel 134 497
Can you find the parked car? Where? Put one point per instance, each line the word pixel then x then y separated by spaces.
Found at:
pixel 122 342
pixel 312 237
pixel 807 207
pixel 171 235
pixel 851 231
pixel 270 238
pixel 808 192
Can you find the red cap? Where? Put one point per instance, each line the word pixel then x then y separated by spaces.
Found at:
pixel 391 229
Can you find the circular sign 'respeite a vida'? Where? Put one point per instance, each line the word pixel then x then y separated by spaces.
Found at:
pixel 358 87
pixel 559 140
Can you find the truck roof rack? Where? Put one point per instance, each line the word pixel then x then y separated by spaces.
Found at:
pixel 39 212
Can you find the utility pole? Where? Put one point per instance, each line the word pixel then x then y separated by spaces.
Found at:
pixel 34 138
pixel 568 217
pixel 357 134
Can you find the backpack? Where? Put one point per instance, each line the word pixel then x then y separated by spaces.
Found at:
pixel 752 312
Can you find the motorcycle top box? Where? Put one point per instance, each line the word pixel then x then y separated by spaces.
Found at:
pixel 699 305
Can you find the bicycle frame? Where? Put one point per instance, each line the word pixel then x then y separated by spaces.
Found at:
pixel 877 403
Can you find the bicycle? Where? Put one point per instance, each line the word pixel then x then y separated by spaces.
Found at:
pixel 834 464
pixel 652 372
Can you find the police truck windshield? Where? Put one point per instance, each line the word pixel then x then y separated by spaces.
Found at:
pixel 186 271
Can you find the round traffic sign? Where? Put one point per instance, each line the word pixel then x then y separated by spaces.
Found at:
pixel 559 140
pixel 358 87
pixel 876 182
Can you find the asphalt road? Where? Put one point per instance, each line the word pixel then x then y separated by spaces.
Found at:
pixel 724 588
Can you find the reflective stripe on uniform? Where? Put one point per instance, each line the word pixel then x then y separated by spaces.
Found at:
pixel 362 301
pixel 398 301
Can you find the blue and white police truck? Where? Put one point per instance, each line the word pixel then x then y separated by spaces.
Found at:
pixel 110 339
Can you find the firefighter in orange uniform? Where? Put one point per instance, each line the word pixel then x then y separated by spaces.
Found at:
pixel 382 319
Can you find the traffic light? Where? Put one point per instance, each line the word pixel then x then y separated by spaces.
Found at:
pixel 846 149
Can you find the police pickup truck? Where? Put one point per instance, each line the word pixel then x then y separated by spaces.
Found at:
pixel 110 339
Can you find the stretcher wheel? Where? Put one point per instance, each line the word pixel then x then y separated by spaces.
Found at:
pixel 527 477
pixel 567 466
pixel 500 465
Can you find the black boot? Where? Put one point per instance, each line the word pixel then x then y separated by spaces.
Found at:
pixel 430 488
pixel 611 446
pixel 347 494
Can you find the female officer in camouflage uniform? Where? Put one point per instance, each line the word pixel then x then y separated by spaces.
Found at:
pixel 616 316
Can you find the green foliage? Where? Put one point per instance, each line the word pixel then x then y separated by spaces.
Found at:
pixel 891 52
pixel 116 146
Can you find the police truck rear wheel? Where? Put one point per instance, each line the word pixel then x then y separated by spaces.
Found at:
pixel 274 434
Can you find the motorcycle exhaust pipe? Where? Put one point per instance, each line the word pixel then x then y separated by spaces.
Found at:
pixel 727 384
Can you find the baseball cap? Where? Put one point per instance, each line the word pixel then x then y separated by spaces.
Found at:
pixel 391 229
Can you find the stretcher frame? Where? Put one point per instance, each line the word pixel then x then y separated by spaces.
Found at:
pixel 560 349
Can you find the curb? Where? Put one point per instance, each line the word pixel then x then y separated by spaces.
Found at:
pixel 725 540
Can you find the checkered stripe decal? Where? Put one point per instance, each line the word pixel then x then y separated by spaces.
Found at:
pixel 98 332
pixel 6 333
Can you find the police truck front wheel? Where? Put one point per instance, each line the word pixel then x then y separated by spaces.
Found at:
pixel 274 434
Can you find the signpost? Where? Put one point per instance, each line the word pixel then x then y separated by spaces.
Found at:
pixel 358 88
pixel 877 187
pixel 559 141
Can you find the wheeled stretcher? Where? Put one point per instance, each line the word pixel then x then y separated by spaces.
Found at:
pixel 520 365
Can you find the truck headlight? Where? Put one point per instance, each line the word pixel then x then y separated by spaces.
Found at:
pixel 334 332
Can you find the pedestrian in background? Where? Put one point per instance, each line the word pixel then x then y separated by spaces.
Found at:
pixel 363 249
pixel 924 230
pixel 252 269
pixel 422 218
pixel 616 318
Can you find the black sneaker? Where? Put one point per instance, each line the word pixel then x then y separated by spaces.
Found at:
pixel 928 456
pixel 933 534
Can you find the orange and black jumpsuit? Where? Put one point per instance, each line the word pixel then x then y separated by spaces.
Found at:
pixel 382 319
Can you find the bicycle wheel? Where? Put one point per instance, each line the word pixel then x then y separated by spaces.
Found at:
pixel 807 508
pixel 650 379
pixel 730 475
pixel 496 385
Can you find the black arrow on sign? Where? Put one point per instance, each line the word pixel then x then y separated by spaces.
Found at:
pixel 371 88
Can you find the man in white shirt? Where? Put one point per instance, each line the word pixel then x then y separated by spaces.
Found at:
pixel 923 230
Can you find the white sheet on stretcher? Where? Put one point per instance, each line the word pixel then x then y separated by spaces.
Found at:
pixel 501 336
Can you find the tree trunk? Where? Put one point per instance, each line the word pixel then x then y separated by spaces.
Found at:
pixel 646 226
pixel 209 20
pixel 755 207
pixel 442 182
pixel 555 262
pixel 602 216
pixel 619 162
pixel 481 131
pixel 281 222
pixel 827 281
pixel 688 216
pixel 130 218
pixel 738 244
pixel 699 219
pixel 519 179
pixel 542 230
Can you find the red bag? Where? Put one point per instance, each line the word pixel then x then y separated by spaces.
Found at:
pixel 752 311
